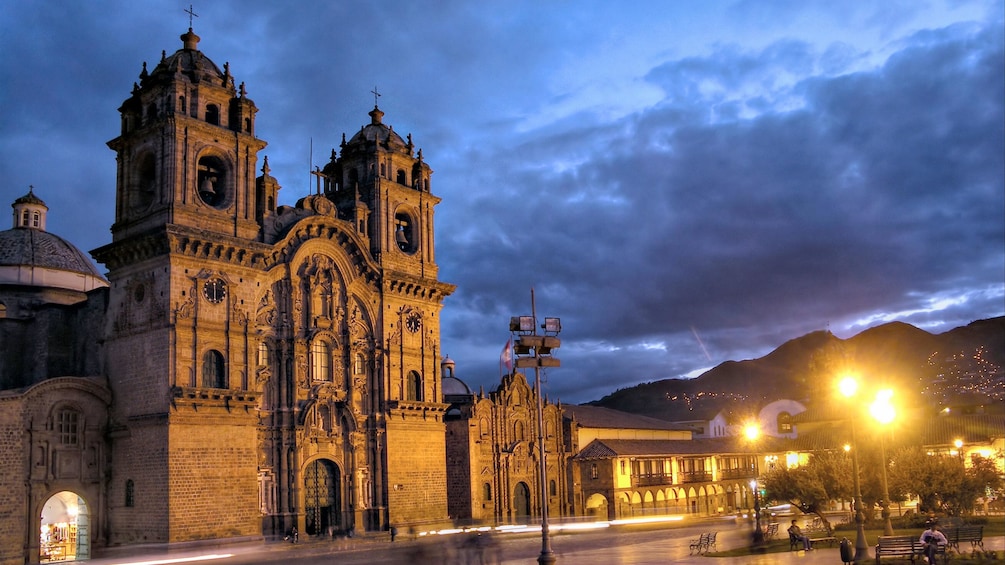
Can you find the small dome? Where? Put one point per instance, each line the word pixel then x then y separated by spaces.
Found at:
pixel 452 386
pixel 37 249
pixel 33 257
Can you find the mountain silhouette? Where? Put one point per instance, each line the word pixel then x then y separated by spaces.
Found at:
pixel 965 365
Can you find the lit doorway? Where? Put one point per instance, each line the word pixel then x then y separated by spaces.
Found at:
pixel 64 529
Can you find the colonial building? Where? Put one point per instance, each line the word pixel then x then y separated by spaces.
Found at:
pixel 246 368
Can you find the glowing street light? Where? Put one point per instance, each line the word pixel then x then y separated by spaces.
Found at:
pixel 884 413
pixel 752 431
pixel 848 387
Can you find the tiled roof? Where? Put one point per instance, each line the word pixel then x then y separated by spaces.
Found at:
pixel 607 448
pixel 598 417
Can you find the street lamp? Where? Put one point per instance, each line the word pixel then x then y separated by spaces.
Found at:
pixel 752 432
pixel 535 351
pixel 882 410
pixel 758 532
pixel 848 386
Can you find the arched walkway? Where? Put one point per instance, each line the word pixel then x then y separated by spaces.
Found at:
pixel 64 527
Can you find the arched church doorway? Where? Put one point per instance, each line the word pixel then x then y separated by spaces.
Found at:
pixel 521 502
pixel 65 528
pixel 322 507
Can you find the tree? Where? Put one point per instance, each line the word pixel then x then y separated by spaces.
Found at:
pixel 943 483
pixel 810 488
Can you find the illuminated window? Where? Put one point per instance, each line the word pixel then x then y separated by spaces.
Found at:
pixel 263 354
pixel 784 423
pixel 321 366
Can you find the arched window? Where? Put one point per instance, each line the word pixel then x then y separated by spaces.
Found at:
pixel 414 387
pixel 213 114
pixel 212 182
pixel 486 491
pixel 35 220
pixel 25 218
pixel 483 427
pixel 401 177
pixel 383 170
pixel 784 423
pixel 182 108
pixel 321 365
pixel 130 493
pixel 518 431
pixel 359 364
pixel 213 373
pixel 263 354
pixel 67 424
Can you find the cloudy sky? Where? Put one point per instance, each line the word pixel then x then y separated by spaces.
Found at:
pixel 683 183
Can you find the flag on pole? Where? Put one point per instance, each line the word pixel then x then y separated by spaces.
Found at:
pixel 506 357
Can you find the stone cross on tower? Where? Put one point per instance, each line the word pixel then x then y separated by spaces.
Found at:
pixel 191 14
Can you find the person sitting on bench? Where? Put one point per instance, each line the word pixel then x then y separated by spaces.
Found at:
pixel 931 539
pixel 795 534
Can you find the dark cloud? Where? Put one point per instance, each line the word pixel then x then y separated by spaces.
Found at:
pixel 736 193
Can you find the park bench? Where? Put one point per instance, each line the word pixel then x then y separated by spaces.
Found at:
pixel 904 546
pixel 700 544
pixel 703 543
pixel 972 534
pixel 821 533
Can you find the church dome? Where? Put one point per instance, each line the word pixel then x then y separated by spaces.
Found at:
pixel 31 256
pixel 454 386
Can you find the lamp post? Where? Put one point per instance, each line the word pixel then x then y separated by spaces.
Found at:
pixel 534 350
pixel 752 432
pixel 758 532
pixel 882 410
pixel 848 387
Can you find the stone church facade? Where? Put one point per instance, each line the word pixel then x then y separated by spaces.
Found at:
pixel 246 368
pixel 493 454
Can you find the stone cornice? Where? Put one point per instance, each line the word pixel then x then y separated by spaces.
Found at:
pixel 417 287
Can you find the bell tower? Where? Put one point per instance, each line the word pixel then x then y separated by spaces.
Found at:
pixel 381 184
pixel 182 265
pixel 187 150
